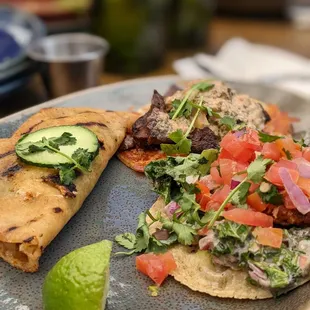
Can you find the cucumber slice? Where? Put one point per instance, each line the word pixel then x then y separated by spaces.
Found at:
pixel 85 139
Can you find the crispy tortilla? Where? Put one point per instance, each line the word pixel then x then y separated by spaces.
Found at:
pixel 196 271
pixel 34 207
pixel 138 159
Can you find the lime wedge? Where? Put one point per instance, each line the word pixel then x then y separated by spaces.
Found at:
pixel 79 280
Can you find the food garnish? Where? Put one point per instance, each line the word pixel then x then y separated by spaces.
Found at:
pixel 59 148
pixel 202 86
pixel 80 279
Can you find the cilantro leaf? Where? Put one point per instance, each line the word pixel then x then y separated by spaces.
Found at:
pixel 288 154
pixel 264 137
pixel 239 198
pixel 229 122
pixel 82 157
pixel 34 148
pixel 127 240
pixel 203 86
pixel 301 142
pixel 184 232
pixel 205 109
pixel 211 113
pixel 156 246
pixel 232 229
pixel 172 239
pixel 66 175
pixel 277 277
pixel 208 216
pixel 185 111
pixel 142 241
pixel 187 201
pixel 272 196
pixel 65 139
pixel 143 234
pixel 210 156
pixel 182 146
pixel 257 169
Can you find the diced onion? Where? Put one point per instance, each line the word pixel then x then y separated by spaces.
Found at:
pixel 192 179
pixel 299 199
pixel 239 133
pixel 235 181
pixel 171 208
pixel 303 167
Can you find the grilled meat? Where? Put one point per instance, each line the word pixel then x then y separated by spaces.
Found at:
pixel 154 127
pixel 287 217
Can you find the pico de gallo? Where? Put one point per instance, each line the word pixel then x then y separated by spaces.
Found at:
pixel 247 204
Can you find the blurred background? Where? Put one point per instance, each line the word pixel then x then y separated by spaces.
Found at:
pixel 41 57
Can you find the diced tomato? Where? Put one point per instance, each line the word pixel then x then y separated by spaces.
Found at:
pixel 203 231
pixel 269 236
pixel 304 184
pixel 287 201
pixel 273 176
pixel 204 196
pixel 280 122
pixel 157 267
pixel 288 145
pixel 303 261
pixel 221 194
pixel 251 140
pixel 214 171
pixel 212 205
pixel 271 151
pixel 306 153
pixel 209 182
pixel 225 154
pixel 203 190
pixel 229 168
pixel 240 148
pixel 248 217
pixel 255 202
pixel 253 187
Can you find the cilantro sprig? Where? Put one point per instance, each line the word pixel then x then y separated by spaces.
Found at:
pixel 143 241
pixel 80 160
pixel 182 143
pixel 255 173
pixel 202 86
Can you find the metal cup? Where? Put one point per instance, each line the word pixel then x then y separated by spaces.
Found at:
pixel 69 62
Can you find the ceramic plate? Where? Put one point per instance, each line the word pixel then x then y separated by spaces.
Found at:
pixel 112 208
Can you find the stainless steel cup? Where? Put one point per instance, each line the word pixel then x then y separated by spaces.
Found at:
pixel 69 62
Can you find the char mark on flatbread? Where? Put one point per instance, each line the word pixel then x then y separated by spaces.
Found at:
pixel 11 170
pixel 91 124
pixel 7 154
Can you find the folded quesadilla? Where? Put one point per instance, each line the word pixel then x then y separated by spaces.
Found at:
pixel 34 204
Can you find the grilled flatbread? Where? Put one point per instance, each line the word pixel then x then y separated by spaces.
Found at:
pixel 32 211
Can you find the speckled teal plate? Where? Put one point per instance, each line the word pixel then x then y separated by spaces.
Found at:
pixel 113 206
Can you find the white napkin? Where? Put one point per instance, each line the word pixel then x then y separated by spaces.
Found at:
pixel 239 60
